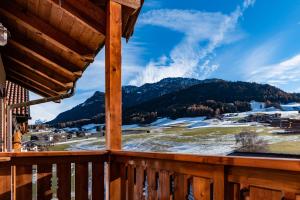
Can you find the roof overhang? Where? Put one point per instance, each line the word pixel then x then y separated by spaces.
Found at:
pixel 51 42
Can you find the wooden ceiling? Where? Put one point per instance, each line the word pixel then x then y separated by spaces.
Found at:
pixel 53 41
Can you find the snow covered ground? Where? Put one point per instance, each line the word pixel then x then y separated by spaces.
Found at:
pixel 199 135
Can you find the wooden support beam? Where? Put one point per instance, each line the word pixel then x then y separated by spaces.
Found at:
pixel 60 74
pixel 13 12
pixel 113 94
pixel 86 15
pixel 27 70
pixel 130 3
pixel 45 56
pixel 30 84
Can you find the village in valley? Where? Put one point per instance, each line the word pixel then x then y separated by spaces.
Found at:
pixel 264 130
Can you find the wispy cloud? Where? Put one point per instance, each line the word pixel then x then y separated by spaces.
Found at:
pixel 284 72
pixel 189 58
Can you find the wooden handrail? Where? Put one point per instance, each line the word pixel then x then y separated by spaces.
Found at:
pixel 261 162
pixel 218 177
pixel 166 174
pixel 53 153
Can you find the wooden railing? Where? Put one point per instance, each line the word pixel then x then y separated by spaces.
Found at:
pixel 43 175
pixel 179 177
pixel 151 176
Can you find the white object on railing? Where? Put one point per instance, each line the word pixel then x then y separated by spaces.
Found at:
pixel 3 35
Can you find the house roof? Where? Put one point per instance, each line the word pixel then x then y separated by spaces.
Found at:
pixel 51 42
pixel 16 94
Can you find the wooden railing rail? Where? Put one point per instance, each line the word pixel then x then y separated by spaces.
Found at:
pixel 151 176
pixel 166 176
pixel 42 175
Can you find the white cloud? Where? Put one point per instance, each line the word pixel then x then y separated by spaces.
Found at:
pixel 286 71
pixel 189 58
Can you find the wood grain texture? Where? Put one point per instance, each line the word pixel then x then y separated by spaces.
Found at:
pixel 140 179
pixel 81 181
pixel 44 175
pixel 23 182
pixel 113 90
pixel 180 187
pixel 98 181
pixel 164 185
pixel 114 181
pixel 130 3
pixel 131 179
pixel 233 191
pixel 5 182
pixel 29 21
pixel 267 163
pixel 201 188
pixel 219 183
pixel 64 181
pixel 152 184
pixel 264 194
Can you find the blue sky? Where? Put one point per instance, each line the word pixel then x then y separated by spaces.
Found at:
pixel 244 40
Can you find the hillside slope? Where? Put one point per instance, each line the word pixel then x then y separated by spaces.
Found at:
pixel 179 97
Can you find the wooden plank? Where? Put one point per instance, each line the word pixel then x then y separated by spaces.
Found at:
pixel 164 185
pixel 23 182
pixel 5 183
pixel 233 191
pixel 130 178
pixel 298 197
pixel 81 16
pixel 98 180
pixel 64 181
pixel 44 55
pixel 140 179
pixel 257 193
pixel 180 187
pixel 46 31
pixel 289 180
pixel 124 181
pixel 59 155
pixel 201 188
pixel 24 69
pixel 152 184
pixel 44 182
pixel 130 3
pixel 114 181
pixel 81 181
pixel 196 169
pixel 219 183
pixel 113 90
pixel 89 9
pixel 30 84
pixel 266 163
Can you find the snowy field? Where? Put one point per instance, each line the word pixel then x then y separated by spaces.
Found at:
pixel 199 135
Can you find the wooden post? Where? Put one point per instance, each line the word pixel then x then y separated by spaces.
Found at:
pixel 113 94
pixel 113 90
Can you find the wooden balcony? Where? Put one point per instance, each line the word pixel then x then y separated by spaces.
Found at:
pixel 141 176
